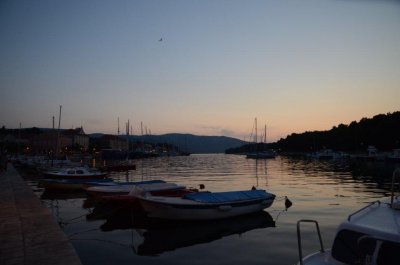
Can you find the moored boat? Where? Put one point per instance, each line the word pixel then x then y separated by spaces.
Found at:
pixel 156 189
pixel 206 205
pixel 120 188
pixel 75 173
pixel 74 184
pixel 261 152
pixel 368 236
pixel 266 154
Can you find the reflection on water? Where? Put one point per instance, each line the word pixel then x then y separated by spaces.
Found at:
pixel 158 236
pixel 321 190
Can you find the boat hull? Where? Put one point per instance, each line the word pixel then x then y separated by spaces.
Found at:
pixel 371 233
pixel 120 188
pixel 190 210
pixel 72 184
pixel 128 198
pixel 61 175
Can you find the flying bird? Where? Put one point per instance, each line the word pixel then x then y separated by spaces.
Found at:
pixel 160 39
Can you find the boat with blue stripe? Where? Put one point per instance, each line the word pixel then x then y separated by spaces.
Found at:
pixel 206 205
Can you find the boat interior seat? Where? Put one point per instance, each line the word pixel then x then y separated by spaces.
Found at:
pixel 377 251
pixel 345 247
pixel 366 248
pixel 389 254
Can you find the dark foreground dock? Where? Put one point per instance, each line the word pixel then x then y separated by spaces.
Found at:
pixel 28 232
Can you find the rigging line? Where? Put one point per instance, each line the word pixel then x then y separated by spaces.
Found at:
pixel 81 232
pixel 279 198
pixel 103 240
pixel 69 221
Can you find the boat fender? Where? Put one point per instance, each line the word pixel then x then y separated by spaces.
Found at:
pixel 224 208
pixel 288 203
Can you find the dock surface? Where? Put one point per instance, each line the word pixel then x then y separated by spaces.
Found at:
pixel 28 232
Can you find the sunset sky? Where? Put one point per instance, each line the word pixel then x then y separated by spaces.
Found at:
pixel 205 67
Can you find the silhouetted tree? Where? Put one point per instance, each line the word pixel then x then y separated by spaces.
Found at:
pixel 382 131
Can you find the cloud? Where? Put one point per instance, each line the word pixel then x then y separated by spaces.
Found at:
pixel 219 131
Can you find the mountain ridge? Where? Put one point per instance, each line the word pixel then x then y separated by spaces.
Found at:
pixel 199 144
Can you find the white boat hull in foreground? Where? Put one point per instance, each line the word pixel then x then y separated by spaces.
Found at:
pixel 186 208
pixel 370 236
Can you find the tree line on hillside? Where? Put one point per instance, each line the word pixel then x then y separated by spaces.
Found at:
pixel 381 131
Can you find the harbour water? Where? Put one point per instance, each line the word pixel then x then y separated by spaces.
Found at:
pixel 327 191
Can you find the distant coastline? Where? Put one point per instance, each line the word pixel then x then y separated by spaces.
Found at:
pixel 381 131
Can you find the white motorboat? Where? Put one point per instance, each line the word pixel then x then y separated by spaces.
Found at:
pixel 206 205
pixel 370 235
pixel 74 184
pixel 75 173
pixel 120 188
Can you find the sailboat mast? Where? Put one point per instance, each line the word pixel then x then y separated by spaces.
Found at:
pixel 127 140
pixel 58 132
pixel 255 124
pixel 19 139
pixel 118 127
pixel 265 134
pixel 53 147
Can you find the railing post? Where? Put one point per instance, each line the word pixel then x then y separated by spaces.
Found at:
pixel 299 238
pixel 397 170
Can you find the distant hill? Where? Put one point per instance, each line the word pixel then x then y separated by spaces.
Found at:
pixel 189 142
pixel 185 142
pixel 381 131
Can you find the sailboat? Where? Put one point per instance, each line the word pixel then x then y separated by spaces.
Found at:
pixel 125 165
pixel 264 153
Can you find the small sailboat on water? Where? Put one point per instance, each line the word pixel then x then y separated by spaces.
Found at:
pixel 264 153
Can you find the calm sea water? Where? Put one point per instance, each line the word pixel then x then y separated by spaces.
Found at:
pixel 325 191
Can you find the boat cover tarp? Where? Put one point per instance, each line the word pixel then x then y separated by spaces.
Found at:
pixel 229 196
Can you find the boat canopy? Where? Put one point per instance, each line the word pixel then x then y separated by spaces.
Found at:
pixel 230 196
